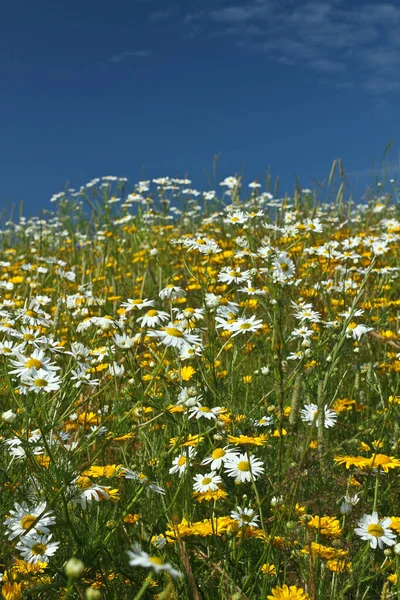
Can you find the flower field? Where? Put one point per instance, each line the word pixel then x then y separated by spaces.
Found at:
pixel 200 395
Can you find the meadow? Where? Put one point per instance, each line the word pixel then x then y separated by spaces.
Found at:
pixel 200 395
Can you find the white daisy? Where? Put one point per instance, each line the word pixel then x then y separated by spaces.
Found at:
pixel 181 462
pixel 243 467
pixel 24 518
pixel 219 456
pixel 35 548
pixel 310 411
pixel 376 531
pixel 246 516
pixel 138 558
pixel 207 482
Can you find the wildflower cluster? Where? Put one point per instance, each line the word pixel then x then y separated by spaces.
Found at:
pixel 200 395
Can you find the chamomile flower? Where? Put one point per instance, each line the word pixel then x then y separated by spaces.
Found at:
pixel 207 482
pixel 139 558
pixel 219 456
pixel 153 318
pixel 376 531
pixel 181 462
pixel 245 516
pixel 310 412
pixel 136 304
pixel 200 411
pixel 37 548
pixel 243 467
pixel 42 381
pixel 24 518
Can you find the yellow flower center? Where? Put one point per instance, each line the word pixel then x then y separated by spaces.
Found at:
pixel 284 266
pixel 40 382
pixel 27 521
pixel 28 336
pixel 218 453
pixel 31 313
pixel 152 313
pixel 33 363
pixel 205 409
pixel 174 332
pixel 206 480
pixel 375 530
pixel 38 549
pixel 245 326
pixel 243 465
pixel 181 461
pixel 6 350
pixel 155 560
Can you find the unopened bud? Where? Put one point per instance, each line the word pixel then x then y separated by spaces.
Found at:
pixel 74 568
pixel 92 594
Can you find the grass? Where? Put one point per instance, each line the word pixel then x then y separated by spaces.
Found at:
pixel 201 402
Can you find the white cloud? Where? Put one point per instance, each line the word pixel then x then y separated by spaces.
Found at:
pixel 129 54
pixel 352 44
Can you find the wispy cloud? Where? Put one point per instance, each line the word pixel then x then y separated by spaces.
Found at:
pixel 351 45
pixel 116 58
pixel 162 15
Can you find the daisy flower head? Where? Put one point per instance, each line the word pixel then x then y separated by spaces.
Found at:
pixel 219 456
pixel 243 467
pixel 181 462
pixel 243 325
pixel 310 412
pixel 245 516
pixel 42 381
pixel 376 531
pixel 36 548
pixel 139 558
pixel 171 292
pixel 206 412
pixel 206 483
pixel 283 267
pixel 153 318
pixel 25 520
pixel 136 304
pixel 176 337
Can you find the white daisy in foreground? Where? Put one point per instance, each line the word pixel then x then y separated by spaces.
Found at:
pixel 206 483
pixel 139 558
pixel 245 516
pixel 243 467
pixel 42 381
pixel 220 456
pixel 24 518
pixel 244 325
pixel 35 548
pixel 376 531
pixel 309 414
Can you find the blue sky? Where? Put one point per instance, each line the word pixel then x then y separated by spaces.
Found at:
pixel 108 87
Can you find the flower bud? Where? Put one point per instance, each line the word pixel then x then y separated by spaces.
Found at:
pixel 9 416
pixel 92 594
pixel 74 568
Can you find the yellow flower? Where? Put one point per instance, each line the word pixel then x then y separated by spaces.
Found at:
pixel 328 526
pixel 268 569
pixel 131 519
pixel 395 524
pixel 97 471
pixel 338 565
pixel 187 373
pixel 325 551
pixel 246 440
pixel 210 495
pixel 288 593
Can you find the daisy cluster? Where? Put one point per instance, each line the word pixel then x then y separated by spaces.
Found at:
pixel 204 387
